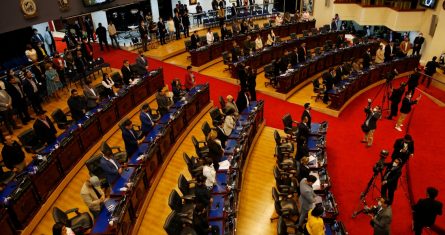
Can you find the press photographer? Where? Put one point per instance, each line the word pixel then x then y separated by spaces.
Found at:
pixel 370 124
pixel 403 149
pixel 390 179
pixel 381 217
pixel 395 98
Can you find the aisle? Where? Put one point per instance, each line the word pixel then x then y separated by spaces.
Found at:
pixel 158 209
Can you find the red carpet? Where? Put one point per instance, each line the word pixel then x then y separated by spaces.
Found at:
pixel 350 162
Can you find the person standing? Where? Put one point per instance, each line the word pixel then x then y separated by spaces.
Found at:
pixel 59 65
pixel 163 101
pixel 381 222
pixel 307 113
pixel 142 62
pixel 144 35
pixel 418 41
pixel 50 44
pixel 389 52
pixel 162 30
pixel 130 137
pixel 90 94
pixel 221 16
pixel 111 168
pixel 92 195
pixel 108 83
pixel 209 37
pixel 53 83
pixel 178 25
pixel 390 180
pixel 430 70
pixel 367 58
pixel 127 73
pixel 405 46
pixel 189 79
pixel 113 34
pixel 403 149
pixel 413 81
pixel 15 91
pixel 307 198
pixel 426 210
pixel 36 37
pixel 146 119
pixel 6 110
pixel 251 83
pixel 405 109
pixel 77 105
pixel 44 129
pixel 101 33
pixel 13 155
pixel 199 13
pixel 395 98
pixel 31 90
pixel 186 23
pixel 89 28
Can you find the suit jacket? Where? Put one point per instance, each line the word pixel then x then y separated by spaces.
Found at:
pixel 91 97
pixel 29 90
pixel 303 132
pixel 241 101
pixel 101 33
pixel 418 41
pixel 194 41
pixel 367 60
pixel 146 122
pixel 382 221
pixel 301 54
pixel 398 145
pixel 406 105
pixel 215 151
pixel 130 140
pixel 221 136
pixel 426 210
pixel 392 176
pixel 142 62
pixel 90 197
pixel 110 171
pixel 127 74
pixel 307 196
pixel 46 133
pixel 309 118
pixel 371 118
pixel 163 103
pixel 17 99
pixel 161 28
pixel 77 107
pixel 388 52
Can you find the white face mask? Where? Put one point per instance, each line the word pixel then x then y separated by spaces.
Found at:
pixel 379 203
pixel 394 164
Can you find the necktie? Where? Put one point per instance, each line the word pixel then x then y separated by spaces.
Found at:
pixel 96 192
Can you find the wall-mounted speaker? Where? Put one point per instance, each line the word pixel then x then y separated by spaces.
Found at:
pixel 433 25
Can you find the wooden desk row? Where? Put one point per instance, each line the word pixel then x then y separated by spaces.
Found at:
pixel 265 56
pixel 145 163
pixel 356 82
pixel 225 193
pixel 302 72
pixel 23 196
pixel 207 53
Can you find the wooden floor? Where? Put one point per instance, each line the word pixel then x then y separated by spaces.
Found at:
pixel 70 197
pixel 50 105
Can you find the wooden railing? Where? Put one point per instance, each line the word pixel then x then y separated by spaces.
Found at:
pixel 398 5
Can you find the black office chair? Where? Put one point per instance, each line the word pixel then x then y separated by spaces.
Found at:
pixel 314 31
pixel 6 177
pixel 193 166
pixel 174 224
pixel 61 119
pixel 136 128
pixel 222 102
pixel 80 223
pixel 284 144
pixel 284 206
pixel 216 37
pixel 289 127
pixel 182 208
pixel 282 227
pixel 117 79
pixel 227 60
pixel 285 161
pixel 30 141
pixel 286 182
pixel 206 129
pixel 188 192
pixel 118 154
pixel 305 33
pixel 94 168
pixel 201 148
pixel 217 116
pixel 293 36
pixel 269 73
pixel 318 90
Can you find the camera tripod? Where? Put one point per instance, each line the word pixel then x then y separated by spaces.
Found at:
pixel 386 88
pixel 371 185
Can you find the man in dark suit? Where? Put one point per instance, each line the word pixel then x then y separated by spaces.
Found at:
pixel 146 119
pixel 13 155
pixel 418 41
pixel 177 19
pixel 389 51
pixel 143 32
pixel 221 135
pixel 395 98
pixel 405 109
pixel 367 58
pixel 194 41
pixel 77 105
pixel 235 52
pixel 44 128
pixel 224 32
pixel 31 89
pixel 328 80
pixel 302 53
pixel 91 95
pixel 403 149
pixel 36 37
pixel 293 57
pixel 163 101
pixel 162 31
pixel 430 70
pixel 242 101
pixel 127 73
pixel 381 222
pixel 307 114
pixel 130 137
pixel 413 81
pixel 186 23
pixel 426 210
pixel 141 66
pixel 111 168
pixel 101 33
pixel 390 179
pixel 15 90
pixel 303 131
pixel 370 124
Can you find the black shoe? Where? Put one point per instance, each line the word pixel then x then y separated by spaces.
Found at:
pixel 389 118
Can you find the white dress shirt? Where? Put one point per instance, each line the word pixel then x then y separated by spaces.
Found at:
pixel 258 44
pixel 210 38
pixel 210 174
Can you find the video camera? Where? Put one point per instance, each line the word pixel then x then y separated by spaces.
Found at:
pixel 380 165
pixel 391 75
pixel 373 210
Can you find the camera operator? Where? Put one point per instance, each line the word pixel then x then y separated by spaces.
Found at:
pixel 426 210
pixel 370 124
pixel 395 98
pixel 390 179
pixel 413 81
pixel 403 149
pixel 381 221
